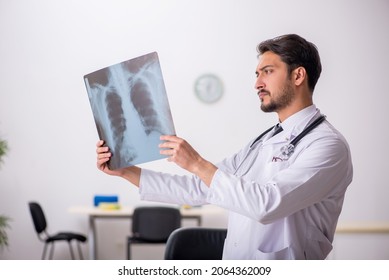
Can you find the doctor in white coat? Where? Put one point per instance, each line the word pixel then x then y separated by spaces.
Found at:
pixel 285 189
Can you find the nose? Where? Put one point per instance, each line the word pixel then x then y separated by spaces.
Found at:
pixel 259 84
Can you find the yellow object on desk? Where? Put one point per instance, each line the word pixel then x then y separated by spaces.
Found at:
pixel 109 206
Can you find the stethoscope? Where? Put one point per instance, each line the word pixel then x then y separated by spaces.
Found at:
pixel 288 149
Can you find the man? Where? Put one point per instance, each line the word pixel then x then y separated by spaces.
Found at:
pixel 284 200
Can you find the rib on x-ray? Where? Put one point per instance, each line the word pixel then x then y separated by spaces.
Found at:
pixel 130 109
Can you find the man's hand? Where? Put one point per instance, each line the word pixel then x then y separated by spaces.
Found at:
pixel 180 152
pixel 131 173
pixel 103 156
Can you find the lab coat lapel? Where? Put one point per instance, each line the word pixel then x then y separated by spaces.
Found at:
pixel 281 137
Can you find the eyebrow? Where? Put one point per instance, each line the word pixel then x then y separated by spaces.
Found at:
pixel 263 68
pixel 266 66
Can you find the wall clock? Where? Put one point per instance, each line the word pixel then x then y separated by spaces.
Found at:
pixel 208 88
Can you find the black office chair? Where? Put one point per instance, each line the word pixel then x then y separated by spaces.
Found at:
pixel 153 225
pixel 195 244
pixel 40 225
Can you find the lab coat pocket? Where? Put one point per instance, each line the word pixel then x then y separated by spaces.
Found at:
pixel 274 167
pixel 283 254
pixel 318 246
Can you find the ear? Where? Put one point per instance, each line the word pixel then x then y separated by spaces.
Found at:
pixel 299 75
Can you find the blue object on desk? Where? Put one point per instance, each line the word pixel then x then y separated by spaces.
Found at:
pixel 105 198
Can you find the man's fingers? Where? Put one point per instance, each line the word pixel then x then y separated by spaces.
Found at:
pixel 167 152
pixel 171 138
pixel 168 145
pixel 101 150
pixel 100 143
pixel 104 155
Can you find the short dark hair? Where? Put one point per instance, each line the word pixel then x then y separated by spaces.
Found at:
pixel 295 51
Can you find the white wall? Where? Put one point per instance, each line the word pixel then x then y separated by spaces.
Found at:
pixel 47 46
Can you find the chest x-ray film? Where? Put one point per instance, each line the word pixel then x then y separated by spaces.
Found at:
pixel 130 109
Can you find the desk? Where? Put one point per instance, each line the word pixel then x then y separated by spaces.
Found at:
pixel 195 213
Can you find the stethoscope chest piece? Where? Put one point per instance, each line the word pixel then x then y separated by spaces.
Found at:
pixel 287 151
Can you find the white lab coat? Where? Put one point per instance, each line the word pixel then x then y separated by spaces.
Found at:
pixel 278 209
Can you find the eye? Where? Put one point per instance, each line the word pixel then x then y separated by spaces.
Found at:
pixel 268 71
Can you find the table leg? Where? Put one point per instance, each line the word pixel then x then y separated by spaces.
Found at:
pixel 199 221
pixel 92 238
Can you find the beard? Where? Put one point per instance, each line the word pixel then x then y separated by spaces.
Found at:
pixel 281 100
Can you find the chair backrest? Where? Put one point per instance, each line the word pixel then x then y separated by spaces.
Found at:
pixel 38 217
pixel 155 224
pixel 195 244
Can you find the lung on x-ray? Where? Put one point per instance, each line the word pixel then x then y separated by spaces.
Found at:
pixel 130 109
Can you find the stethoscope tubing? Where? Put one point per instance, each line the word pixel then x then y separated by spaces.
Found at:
pixel 288 149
